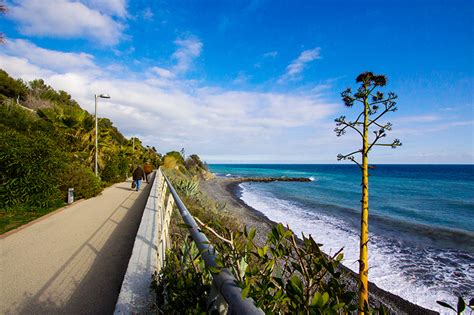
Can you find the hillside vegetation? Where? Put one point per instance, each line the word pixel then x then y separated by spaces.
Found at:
pixel 48 146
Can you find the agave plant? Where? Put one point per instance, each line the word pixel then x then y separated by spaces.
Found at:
pixel 187 188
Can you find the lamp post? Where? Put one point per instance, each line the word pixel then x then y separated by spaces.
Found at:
pixel 96 128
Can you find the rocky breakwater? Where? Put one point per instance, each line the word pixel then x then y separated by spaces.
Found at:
pixel 270 179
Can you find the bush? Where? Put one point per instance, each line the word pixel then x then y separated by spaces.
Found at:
pixel 169 162
pixel 17 118
pixel 176 155
pixel 286 275
pixel 12 88
pixel 183 284
pixel 195 161
pixel 31 168
pixel 115 170
pixel 82 179
pixel 282 275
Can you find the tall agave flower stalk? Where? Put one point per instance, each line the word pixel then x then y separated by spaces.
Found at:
pixel 375 104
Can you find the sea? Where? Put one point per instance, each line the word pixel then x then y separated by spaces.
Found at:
pixel 421 221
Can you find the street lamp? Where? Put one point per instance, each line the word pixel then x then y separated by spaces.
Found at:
pixel 96 128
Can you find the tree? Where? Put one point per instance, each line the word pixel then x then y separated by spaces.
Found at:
pixel 12 88
pixel 375 105
pixel 176 155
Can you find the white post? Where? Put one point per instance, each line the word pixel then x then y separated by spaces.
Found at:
pixel 70 195
pixel 96 135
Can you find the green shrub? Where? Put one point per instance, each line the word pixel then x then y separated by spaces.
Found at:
pixel 115 170
pixel 183 283
pixel 285 275
pixel 17 118
pixel 176 155
pixel 82 179
pixel 31 170
pixel 12 88
pixel 194 161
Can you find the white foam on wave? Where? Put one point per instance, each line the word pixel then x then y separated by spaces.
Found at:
pixel 228 175
pixel 312 179
pixel 335 234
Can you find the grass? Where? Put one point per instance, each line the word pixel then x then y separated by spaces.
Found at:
pixel 15 217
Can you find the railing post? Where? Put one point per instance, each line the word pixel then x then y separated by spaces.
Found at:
pixel 166 221
pixel 163 237
pixel 163 194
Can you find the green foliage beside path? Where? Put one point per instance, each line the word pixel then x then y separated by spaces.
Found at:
pixel 184 283
pixel 31 170
pixel 48 146
pixel 281 273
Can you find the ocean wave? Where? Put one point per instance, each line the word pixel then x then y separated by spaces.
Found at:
pixel 397 226
pixel 420 274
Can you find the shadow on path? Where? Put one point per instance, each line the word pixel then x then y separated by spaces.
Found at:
pixel 95 270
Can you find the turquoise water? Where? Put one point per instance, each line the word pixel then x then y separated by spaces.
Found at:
pixel 421 220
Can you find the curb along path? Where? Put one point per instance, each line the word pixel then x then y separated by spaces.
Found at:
pixel 72 262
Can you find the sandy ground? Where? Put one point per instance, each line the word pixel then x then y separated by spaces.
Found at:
pixel 223 189
pixel 227 190
pixel 74 261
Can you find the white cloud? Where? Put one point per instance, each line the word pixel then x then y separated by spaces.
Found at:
pixel 426 128
pixel 188 49
pixel 109 7
pixel 294 69
pixel 65 19
pixel 21 67
pixel 170 113
pixel 50 59
pixel 257 110
pixel 162 72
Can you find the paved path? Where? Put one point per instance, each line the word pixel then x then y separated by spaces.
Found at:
pixel 72 262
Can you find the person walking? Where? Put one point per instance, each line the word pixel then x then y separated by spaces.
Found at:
pixel 148 168
pixel 138 175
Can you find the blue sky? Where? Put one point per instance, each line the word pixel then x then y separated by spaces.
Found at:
pixel 256 81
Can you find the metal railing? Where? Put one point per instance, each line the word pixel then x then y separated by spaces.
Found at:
pixel 223 284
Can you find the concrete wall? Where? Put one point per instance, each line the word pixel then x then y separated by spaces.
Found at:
pixel 135 295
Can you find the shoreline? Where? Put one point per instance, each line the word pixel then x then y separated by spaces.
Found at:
pixel 229 191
